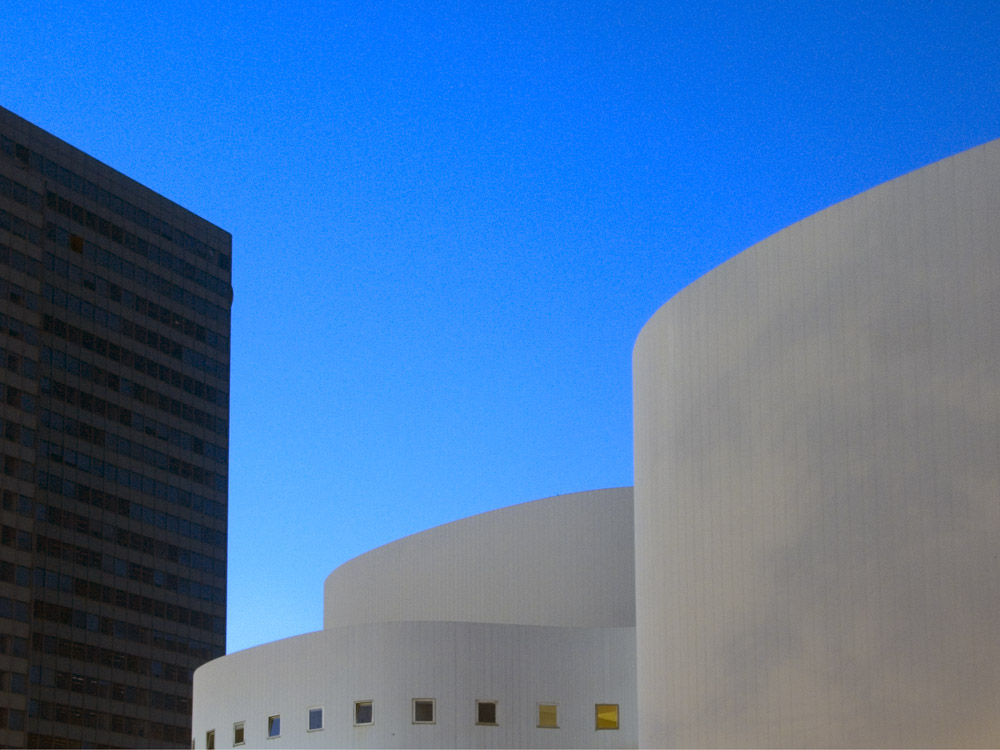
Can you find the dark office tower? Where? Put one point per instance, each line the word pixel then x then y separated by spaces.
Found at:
pixel 114 418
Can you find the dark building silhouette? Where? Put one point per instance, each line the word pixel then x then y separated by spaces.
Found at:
pixel 114 423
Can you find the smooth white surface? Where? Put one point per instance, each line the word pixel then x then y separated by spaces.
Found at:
pixel 454 663
pixel 565 560
pixel 413 620
pixel 817 450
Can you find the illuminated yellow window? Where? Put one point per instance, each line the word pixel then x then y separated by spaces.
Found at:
pixel 548 716
pixel 606 715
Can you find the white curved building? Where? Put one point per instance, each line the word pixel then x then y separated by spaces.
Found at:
pixel 817 480
pixel 514 628
pixel 814 556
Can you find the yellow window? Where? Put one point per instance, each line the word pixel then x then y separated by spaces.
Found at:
pixel 547 716
pixel 607 715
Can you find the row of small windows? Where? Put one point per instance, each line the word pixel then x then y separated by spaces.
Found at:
pixel 66 519
pixel 126 357
pixel 123 446
pixel 18 295
pixel 131 301
pixel 112 322
pixel 85 557
pixel 107 594
pixel 18 433
pixel 132 509
pixel 20 262
pixel 69 179
pixel 119 629
pixel 13 682
pixel 136 421
pixel 15 191
pixel 140 393
pixel 117 324
pixel 18 364
pixel 606 716
pixel 164 288
pixel 102 688
pixel 91 654
pixel 18 329
pixel 21 228
pixel 82 557
pixel 138 245
pixel 102 720
pixel 16 398
pixel 135 480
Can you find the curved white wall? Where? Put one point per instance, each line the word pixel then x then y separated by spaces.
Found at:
pixel 529 604
pixel 565 560
pixel 454 663
pixel 817 452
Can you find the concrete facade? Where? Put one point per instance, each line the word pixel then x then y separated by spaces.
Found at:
pixel 524 605
pixel 817 470
pixel 811 557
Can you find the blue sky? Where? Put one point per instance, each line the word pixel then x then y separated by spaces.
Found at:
pixel 451 219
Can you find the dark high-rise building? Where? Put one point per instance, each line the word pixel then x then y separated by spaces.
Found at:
pixel 114 423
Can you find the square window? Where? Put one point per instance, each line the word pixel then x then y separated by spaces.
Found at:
pixel 606 716
pixel 363 713
pixel 274 726
pixel 239 736
pixel 210 739
pixel 315 719
pixel 486 713
pixel 423 710
pixel 548 716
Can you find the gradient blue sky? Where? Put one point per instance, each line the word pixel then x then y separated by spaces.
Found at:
pixel 451 219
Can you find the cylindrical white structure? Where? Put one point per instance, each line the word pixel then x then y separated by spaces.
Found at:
pixel 817 465
pixel 565 560
pixel 527 606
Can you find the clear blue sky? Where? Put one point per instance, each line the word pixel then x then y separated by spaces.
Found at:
pixel 451 219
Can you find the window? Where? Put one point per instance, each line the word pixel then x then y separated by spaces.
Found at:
pixel 363 714
pixel 239 737
pixel 273 726
pixel 548 716
pixel 606 716
pixel 315 718
pixel 486 713
pixel 210 739
pixel 423 710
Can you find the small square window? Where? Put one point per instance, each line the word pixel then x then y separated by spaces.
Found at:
pixel 363 713
pixel 606 716
pixel 548 716
pixel 486 713
pixel 210 739
pixel 315 719
pixel 239 737
pixel 274 726
pixel 423 710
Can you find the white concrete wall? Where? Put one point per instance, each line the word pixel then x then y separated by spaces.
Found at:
pixel 453 663
pixel 412 620
pixel 565 560
pixel 817 451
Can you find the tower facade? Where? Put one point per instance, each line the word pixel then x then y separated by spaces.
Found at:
pixel 114 412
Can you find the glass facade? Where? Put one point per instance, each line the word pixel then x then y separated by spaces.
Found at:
pixel 114 381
